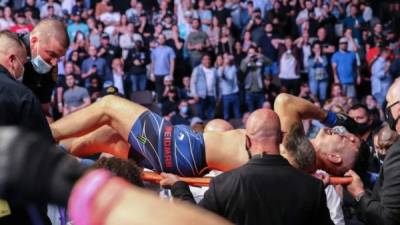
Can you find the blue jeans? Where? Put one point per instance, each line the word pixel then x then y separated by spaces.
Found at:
pixel 138 82
pixel 254 100
pixel 349 90
pixel 231 101
pixel 205 107
pixel 380 98
pixel 272 70
pixel 318 88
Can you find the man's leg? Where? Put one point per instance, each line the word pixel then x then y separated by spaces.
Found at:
pixel 225 103
pixel 199 107
pixel 159 87
pixel 210 107
pixel 322 89
pixel 104 139
pixel 134 82
pixel 118 113
pixel 250 101
pixel 236 106
pixel 142 81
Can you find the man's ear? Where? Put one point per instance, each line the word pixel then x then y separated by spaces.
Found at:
pixel 33 40
pixel 248 142
pixel 335 158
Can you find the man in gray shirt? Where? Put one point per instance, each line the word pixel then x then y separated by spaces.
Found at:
pixel 75 97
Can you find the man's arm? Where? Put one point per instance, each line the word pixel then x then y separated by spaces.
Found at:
pixel 385 211
pixel 292 109
pixel 172 62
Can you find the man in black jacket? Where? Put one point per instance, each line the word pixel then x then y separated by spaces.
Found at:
pixel 382 206
pixel 267 189
pixel 19 107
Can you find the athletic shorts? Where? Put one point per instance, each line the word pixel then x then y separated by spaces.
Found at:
pixel 167 148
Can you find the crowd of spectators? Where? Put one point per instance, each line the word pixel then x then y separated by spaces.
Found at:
pixel 220 58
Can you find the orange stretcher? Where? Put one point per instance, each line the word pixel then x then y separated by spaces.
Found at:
pixel 204 181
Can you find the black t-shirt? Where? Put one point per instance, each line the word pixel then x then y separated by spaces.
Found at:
pixel 112 52
pixel 222 15
pixel 42 85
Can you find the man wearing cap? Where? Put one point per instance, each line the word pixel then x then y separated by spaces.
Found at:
pixel 107 50
pixel 47 42
pixel 77 25
pixel 344 67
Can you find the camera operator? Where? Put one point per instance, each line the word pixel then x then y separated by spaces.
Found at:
pixel 253 69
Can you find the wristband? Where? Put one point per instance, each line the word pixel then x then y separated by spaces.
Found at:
pixel 82 195
pixel 331 119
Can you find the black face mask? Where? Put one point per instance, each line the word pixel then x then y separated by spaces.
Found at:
pixel 392 122
pixel 362 128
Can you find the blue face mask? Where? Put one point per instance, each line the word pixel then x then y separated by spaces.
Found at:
pixel 184 110
pixel 39 65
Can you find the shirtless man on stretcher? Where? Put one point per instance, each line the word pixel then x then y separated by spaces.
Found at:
pixel 113 122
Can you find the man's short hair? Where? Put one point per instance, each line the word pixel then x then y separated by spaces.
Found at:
pixel 11 37
pixel 300 148
pixel 52 28
pixel 359 106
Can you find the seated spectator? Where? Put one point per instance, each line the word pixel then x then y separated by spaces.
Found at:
pixel 94 89
pixel 75 97
pixel 183 114
pixel 170 102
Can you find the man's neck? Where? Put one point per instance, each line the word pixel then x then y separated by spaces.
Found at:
pixel 318 162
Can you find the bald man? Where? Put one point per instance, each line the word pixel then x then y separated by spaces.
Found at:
pixel 218 125
pixel 19 107
pixel 45 45
pixel 180 150
pixel 382 206
pixel 265 190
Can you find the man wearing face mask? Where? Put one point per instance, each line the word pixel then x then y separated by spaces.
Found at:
pixel 46 43
pixel 361 115
pixel 182 116
pixel 382 205
pixel 19 107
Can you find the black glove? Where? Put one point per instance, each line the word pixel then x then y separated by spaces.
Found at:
pixel 340 119
pixel 32 169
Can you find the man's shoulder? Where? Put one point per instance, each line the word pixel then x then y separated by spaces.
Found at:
pixel 12 87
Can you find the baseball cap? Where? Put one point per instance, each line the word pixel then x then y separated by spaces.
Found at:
pixel 105 36
pixel 343 40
